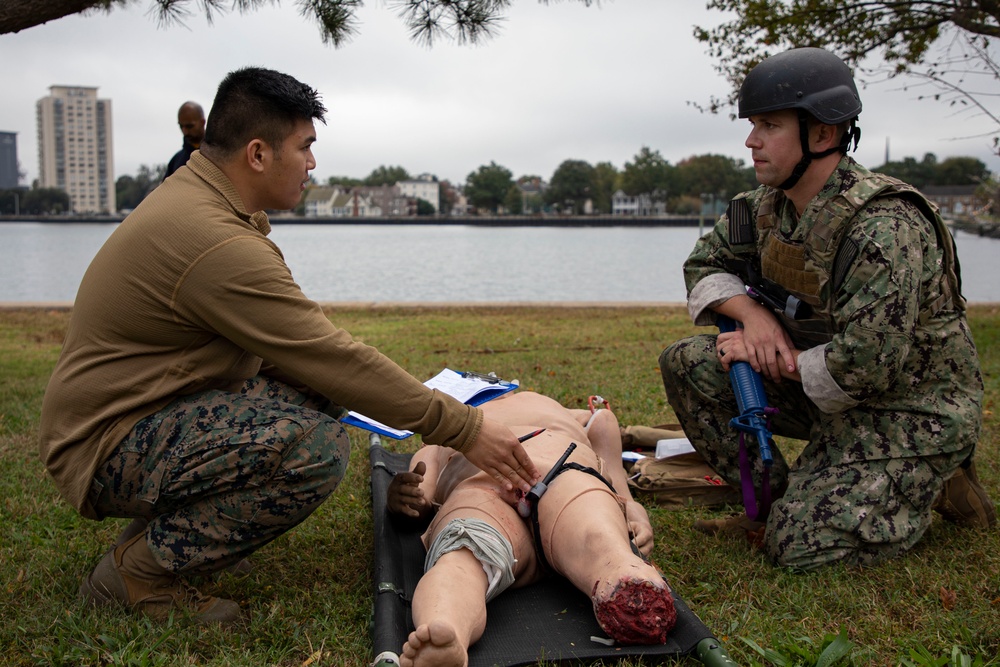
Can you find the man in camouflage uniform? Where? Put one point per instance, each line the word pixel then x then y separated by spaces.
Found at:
pixel 877 372
pixel 198 388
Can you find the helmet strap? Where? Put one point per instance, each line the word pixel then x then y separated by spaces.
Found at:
pixel 853 133
pixel 807 157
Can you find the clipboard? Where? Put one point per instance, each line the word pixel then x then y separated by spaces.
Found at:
pixel 466 386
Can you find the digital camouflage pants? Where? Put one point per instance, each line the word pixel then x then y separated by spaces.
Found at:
pixel 218 475
pixel 843 499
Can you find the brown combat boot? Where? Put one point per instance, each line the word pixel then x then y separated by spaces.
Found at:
pixel 964 501
pixel 737 525
pixel 240 568
pixel 129 575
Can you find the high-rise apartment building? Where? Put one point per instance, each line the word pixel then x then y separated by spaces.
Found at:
pixel 75 148
pixel 8 160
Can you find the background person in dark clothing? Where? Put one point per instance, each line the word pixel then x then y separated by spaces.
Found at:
pixel 191 119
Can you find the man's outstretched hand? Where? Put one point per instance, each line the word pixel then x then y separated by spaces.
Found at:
pixel 497 452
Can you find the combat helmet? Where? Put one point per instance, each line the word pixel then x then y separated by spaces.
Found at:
pixel 814 82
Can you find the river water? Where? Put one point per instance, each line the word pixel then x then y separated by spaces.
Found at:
pixel 438 263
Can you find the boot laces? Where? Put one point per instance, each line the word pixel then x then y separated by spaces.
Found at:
pixel 190 596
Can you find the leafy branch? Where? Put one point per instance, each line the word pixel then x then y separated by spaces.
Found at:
pixel 907 39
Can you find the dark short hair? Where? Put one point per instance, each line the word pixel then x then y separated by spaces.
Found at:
pixel 257 103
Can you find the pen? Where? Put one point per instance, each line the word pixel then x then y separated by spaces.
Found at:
pixel 529 436
pixel 485 377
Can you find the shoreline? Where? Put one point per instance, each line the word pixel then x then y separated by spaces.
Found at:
pixel 601 220
pixel 424 305
pixel 388 305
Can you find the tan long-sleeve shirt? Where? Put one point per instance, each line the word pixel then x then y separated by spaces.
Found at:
pixel 188 295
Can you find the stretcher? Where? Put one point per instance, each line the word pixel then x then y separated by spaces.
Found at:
pixel 550 620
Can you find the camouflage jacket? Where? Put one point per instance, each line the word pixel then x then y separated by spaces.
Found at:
pixel 891 334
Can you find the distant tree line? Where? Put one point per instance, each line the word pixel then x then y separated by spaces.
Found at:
pixel 681 187
pixel 37 201
pixel 130 190
pixel 950 171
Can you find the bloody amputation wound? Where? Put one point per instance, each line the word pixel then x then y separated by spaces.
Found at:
pixel 637 612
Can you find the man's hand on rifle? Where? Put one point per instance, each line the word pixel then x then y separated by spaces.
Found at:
pixel 764 343
pixel 730 349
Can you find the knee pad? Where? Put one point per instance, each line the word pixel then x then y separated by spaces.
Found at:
pixel 485 542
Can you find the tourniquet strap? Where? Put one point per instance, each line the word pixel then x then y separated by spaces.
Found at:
pixel 536 529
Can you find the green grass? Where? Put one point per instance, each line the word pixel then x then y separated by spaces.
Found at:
pixel 309 599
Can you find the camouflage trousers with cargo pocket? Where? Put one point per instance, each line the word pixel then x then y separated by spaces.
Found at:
pixel 220 474
pixel 851 495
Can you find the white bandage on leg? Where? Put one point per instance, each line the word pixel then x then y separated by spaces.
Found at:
pixel 485 542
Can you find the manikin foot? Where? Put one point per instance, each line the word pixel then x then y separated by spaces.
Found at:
pixel 434 645
pixel 636 611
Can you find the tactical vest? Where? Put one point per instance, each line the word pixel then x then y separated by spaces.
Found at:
pixel 814 269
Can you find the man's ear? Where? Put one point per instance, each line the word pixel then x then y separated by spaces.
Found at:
pixel 824 137
pixel 257 154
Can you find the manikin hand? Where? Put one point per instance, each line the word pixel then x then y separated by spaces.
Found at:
pixel 404 495
pixel 639 527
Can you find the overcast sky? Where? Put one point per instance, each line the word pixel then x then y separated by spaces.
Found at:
pixel 560 81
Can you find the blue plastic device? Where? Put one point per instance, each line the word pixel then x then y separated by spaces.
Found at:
pixel 750 398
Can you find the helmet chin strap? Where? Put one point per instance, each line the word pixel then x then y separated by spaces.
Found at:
pixel 853 132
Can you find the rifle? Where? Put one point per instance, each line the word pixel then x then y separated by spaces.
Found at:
pixel 768 293
pixel 750 399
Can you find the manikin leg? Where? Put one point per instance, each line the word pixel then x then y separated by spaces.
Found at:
pixel 586 540
pixel 449 612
